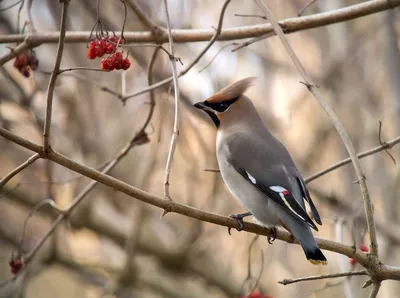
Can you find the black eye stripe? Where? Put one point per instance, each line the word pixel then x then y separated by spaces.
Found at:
pixel 220 106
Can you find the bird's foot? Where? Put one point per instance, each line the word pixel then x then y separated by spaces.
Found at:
pixel 274 234
pixel 239 219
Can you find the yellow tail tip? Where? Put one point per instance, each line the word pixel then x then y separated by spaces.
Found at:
pixel 318 262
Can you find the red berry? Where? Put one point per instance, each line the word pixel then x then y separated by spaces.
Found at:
pixel 255 294
pixel 104 65
pixel 25 71
pixel 99 51
pixel 110 63
pixel 113 39
pixel 91 53
pixel 118 56
pixel 109 48
pixel 126 64
pixel 352 261
pixel 364 248
pixel 103 43
pixel 118 64
pixel 92 44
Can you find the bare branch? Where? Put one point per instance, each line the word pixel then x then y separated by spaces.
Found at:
pixel 175 132
pixel 25 45
pixel 338 125
pixel 382 147
pixel 14 172
pixel 53 78
pixel 290 25
pixel 323 276
pixel 375 290
pixel 305 7
pixel 183 209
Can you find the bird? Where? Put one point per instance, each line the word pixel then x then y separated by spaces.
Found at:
pixel 258 170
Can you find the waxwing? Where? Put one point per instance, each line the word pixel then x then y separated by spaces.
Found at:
pixel 258 169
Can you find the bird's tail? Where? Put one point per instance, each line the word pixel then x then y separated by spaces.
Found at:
pixel 316 256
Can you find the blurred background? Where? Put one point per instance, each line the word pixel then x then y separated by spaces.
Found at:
pixel 116 246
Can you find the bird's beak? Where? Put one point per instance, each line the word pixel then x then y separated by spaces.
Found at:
pixel 202 106
pixel 210 112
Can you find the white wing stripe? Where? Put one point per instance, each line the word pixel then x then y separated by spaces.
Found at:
pixel 251 178
pixel 280 189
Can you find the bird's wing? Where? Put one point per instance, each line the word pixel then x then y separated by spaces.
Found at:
pixel 280 193
pixel 270 177
pixel 307 197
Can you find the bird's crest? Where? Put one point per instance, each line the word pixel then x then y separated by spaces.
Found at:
pixel 232 91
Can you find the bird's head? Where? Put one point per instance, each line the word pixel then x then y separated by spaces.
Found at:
pixel 226 101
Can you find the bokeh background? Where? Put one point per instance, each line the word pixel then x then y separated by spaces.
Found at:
pixel 116 246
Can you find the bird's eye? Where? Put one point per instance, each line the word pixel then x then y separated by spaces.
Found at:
pixel 221 107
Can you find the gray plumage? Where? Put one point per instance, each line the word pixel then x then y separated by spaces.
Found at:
pixel 257 168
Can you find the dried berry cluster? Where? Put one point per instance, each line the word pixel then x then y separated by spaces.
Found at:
pixel 105 45
pixel 16 265
pixel 25 62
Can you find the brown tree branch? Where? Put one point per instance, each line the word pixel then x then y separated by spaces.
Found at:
pixel 338 125
pixel 54 75
pixel 375 290
pixel 25 45
pixel 289 25
pixel 323 276
pixel 14 172
pixel 380 271
pixel 175 131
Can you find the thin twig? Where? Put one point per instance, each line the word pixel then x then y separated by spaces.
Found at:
pixel 80 68
pixel 250 16
pixel 30 25
pixel 53 78
pixel 323 276
pixel 382 147
pixel 305 7
pixel 215 56
pixel 384 143
pixel 184 71
pixel 10 6
pixel 14 172
pixel 251 41
pixel 144 19
pixel 338 125
pixel 175 132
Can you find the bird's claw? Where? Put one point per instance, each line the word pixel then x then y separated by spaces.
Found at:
pixel 274 234
pixel 239 220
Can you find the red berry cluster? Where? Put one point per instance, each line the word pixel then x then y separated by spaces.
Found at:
pixel 107 45
pixel 255 294
pixel 363 248
pixel 115 61
pixel 16 265
pixel 99 47
pixel 25 62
